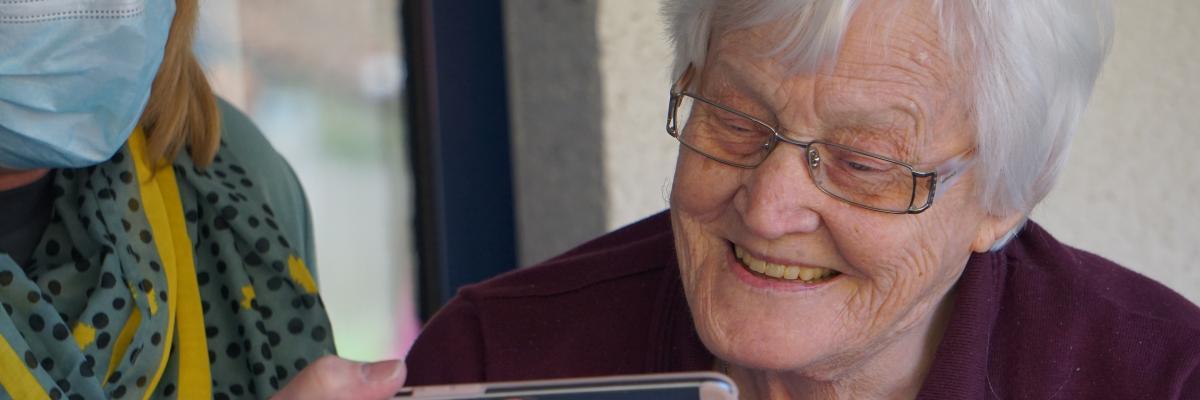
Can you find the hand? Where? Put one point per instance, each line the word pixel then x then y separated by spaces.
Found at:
pixel 331 377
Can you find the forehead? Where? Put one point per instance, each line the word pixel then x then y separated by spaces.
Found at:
pixel 892 66
pixel 897 45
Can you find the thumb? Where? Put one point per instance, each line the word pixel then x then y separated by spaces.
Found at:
pixel 331 377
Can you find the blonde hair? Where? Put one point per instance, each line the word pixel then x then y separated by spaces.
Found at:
pixel 182 110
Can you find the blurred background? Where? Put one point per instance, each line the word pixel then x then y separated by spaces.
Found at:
pixel 323 80
pixel 443 142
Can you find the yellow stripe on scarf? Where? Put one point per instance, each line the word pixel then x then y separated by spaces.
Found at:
pixel 164 211
pixel 16 378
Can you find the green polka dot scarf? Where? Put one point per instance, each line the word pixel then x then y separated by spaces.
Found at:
pixel 109 305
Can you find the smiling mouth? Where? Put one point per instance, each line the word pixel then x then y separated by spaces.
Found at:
pixel 782 272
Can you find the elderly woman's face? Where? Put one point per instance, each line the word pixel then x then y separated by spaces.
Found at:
pixel 892 92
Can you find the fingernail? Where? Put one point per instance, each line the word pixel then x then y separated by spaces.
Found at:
pixel 382 371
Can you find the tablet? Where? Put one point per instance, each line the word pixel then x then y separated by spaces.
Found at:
pixel 672 386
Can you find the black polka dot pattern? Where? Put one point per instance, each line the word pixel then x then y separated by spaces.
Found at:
pixel 97 263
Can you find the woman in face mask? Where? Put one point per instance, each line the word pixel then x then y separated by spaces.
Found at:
pixel 152 244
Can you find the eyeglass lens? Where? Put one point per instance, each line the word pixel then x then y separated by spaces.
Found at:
pixel 843 172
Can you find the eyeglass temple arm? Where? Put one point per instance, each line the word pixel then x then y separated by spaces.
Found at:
pixel 949 172
pixel 677 89
pixel 685 79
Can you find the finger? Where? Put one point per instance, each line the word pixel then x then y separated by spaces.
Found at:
pixel 331 377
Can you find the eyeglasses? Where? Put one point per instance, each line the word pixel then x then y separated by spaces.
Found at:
pixel 861 178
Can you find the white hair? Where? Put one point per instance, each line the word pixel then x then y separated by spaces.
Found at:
pixel 1033 64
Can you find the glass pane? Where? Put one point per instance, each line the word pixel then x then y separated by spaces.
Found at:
pixel 322 80
pixel 862 179
pixel 725 135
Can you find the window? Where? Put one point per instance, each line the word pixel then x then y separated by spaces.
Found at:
pixel 323 81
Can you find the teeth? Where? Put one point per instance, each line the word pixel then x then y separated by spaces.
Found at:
pixel 755 264
pixel 788 272
pixel 774 270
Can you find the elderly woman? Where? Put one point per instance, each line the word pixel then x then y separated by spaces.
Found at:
pixel 848 221
pixel 152 244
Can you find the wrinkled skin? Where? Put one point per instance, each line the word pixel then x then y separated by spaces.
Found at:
pixel 871 332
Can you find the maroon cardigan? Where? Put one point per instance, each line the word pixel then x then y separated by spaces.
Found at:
pixel 1036 320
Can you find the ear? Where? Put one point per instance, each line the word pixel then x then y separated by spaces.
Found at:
pixel 993 228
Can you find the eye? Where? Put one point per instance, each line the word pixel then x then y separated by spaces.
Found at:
pixel 860 167
pixel 740 124
pixel 863 166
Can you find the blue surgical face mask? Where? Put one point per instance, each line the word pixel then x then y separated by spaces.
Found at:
pixel 75 76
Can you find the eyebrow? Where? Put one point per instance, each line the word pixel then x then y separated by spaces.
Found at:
pixel 889 117
pixel 732 84
pixel 884 117
pixel 737 90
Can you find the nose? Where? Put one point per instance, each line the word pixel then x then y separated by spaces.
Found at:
pixel 778 197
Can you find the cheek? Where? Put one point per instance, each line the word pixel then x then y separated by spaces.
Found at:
pixel 907 263
pixel 908 246
pixel 699 195
pixel 702 189
pixel 701 198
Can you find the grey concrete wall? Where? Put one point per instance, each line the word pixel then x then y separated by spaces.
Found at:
pixel 1131 188
pixel 588 87
pixel 556 107
pixel 635 67
pixel 1129 191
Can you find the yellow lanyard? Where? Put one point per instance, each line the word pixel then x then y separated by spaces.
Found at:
pixel 164 211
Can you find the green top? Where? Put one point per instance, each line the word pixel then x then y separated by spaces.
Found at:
pixel 84 317
pixel 283 192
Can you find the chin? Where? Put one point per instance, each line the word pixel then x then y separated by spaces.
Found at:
pixel 761 322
